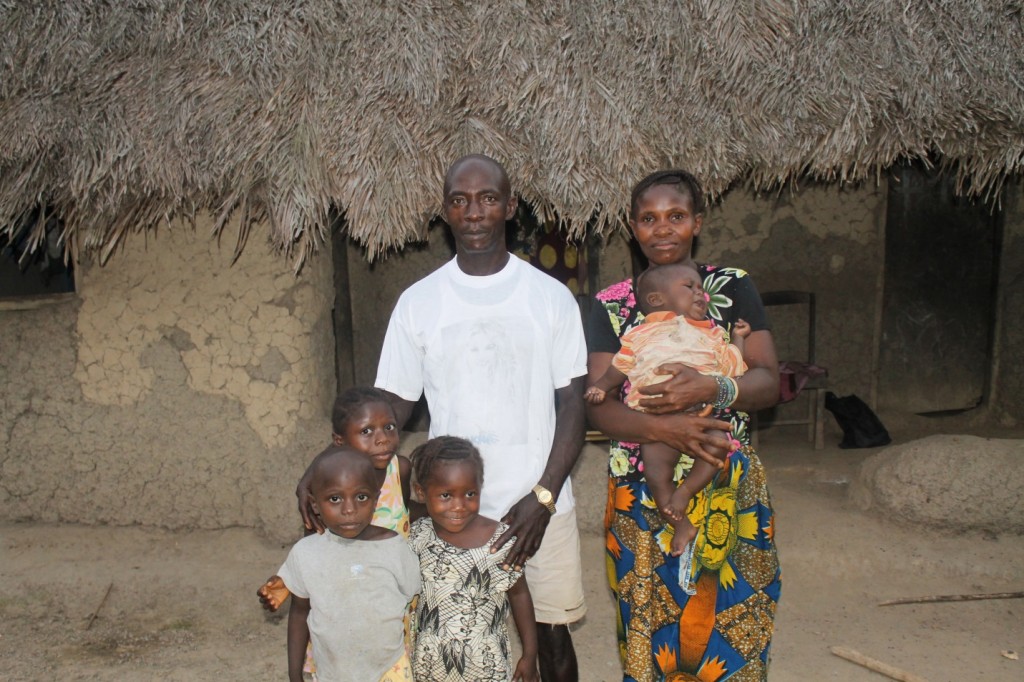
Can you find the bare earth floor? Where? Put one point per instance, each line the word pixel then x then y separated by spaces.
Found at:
pixel 181 606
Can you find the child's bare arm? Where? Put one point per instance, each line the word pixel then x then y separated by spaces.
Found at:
pixel 417 510
pixel 701 473
pixel 609 381
pixel 273 593
pixel 298 637
pixel 659 467
pixel 526 624
pixel 740 331
pixel 304 495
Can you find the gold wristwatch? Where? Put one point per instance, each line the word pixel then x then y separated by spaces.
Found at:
pixel 545 497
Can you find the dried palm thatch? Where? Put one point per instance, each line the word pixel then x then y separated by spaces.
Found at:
pixel 120 115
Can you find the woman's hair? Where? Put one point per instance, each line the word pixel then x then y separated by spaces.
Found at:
pixel 443 449
pixel 350 400
pixel 689 185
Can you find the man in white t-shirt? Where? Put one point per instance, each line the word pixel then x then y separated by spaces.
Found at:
pixel 497 347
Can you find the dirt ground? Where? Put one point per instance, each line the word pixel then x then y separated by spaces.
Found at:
pixel 181 606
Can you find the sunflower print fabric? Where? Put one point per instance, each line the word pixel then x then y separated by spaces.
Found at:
pixel 723 632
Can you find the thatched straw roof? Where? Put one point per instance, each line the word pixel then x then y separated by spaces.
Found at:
pixel 122 114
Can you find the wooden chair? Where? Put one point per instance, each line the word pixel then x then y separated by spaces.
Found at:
pixel 815 386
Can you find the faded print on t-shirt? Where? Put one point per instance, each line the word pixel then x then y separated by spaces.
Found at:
pixel 488 379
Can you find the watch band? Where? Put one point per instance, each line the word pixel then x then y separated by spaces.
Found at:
pixel 545 497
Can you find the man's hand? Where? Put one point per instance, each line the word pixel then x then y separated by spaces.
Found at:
pixel 527 520
pixel 273 593
pixel 305 498
pixel 682 389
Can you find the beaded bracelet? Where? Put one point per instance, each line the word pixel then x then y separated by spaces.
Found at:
pixel 728 391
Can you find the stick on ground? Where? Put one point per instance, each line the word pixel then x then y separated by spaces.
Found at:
pixel 99 606
pixel 953 597
pixel 877 666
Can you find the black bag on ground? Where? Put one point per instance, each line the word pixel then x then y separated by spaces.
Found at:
pixel 861 427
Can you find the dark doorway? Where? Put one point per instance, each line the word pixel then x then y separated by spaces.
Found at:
pixel 31 267
pixel 941 265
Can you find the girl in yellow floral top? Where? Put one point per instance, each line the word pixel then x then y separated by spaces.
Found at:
pixel 364 420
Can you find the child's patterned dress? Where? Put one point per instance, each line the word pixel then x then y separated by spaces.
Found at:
pixel 460 619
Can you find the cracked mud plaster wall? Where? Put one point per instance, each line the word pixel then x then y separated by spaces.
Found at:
pixel 177 390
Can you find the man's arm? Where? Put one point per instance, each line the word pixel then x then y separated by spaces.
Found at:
pixel 570 428
pixel 402 407
pixel 528 518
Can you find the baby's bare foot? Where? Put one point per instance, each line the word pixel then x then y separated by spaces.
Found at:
pixel 685 532
pixel 679 502
pixel 672 513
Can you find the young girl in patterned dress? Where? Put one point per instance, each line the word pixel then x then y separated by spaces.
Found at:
pixel 466 590
pixel 363 420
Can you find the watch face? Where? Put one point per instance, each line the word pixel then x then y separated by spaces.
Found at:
pixel 544 497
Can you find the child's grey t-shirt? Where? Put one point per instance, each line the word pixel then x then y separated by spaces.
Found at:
pixel 358 592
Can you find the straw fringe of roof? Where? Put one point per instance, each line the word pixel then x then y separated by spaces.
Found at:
pixel 120 116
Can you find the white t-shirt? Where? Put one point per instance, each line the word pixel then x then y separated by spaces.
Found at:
pixel 358 592
pixel 489 352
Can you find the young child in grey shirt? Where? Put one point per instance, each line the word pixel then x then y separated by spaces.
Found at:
pixel 350 586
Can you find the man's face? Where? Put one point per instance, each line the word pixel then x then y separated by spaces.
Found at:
pixel 477 202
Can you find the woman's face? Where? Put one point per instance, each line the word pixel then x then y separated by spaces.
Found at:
pixel 664 224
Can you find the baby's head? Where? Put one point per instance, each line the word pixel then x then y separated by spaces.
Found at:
pixel 675 287
pixel 448 474
pixel 364 420
pixel 345 490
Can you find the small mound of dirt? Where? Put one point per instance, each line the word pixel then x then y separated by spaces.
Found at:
pixel 956 482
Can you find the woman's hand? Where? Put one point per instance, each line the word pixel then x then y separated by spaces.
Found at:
pixel 683 388
pixel 685 432
pixel 696 436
